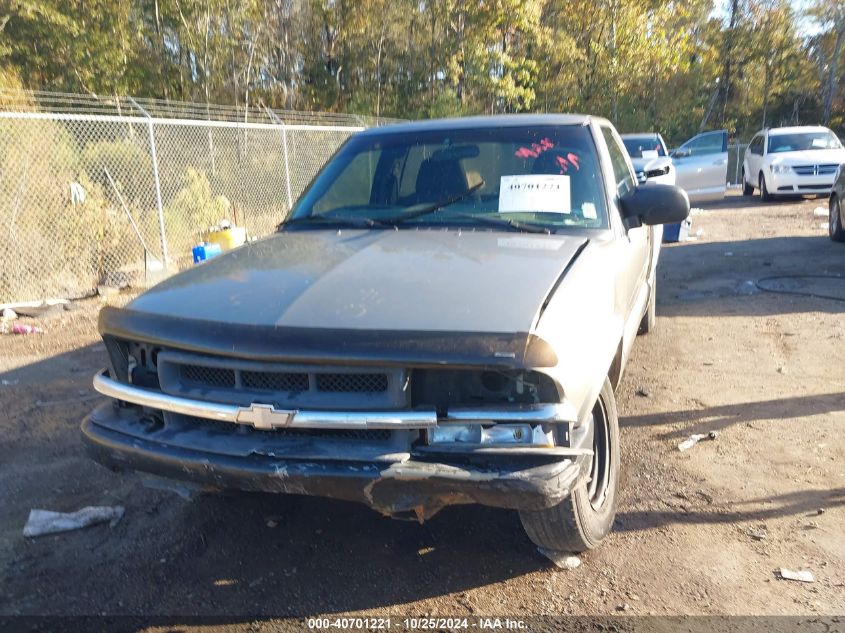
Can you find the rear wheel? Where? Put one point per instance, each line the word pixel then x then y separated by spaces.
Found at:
pixel 765 196
pixel 747 189
pixel 582 520
pixel 836 230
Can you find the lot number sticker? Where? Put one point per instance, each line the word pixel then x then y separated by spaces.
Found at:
pixel 535 193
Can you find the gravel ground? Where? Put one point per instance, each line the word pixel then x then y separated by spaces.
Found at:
pixel 698 532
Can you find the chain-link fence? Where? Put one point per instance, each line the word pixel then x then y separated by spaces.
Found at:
pixel 736 155
pixel 103 191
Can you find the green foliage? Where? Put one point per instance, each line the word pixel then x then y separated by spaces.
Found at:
pixel 194 208
pixel 128 163
pixel 657 64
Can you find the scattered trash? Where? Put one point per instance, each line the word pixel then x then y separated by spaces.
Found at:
pixel 820 212
pixel 42 311
pixel 107 291
pixel 695 438
pixel 623 607
pixel 800 576
pixel 728 254
pixel 9 383
pixel 42 522
pixel 24 328
pixel 9 314
pixel 643 393
pixel 820 511
pixel 271 523
pixel 758 535
pixel 781 370
pixel 563 560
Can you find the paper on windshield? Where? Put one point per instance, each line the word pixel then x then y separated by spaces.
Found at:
pixel 649 153
pixel 538 193
pixel 819 143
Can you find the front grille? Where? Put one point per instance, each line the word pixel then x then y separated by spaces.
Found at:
pixel 815 170
pixel 352 383
pixel 286 386
pixel 208 376
pixel 274 381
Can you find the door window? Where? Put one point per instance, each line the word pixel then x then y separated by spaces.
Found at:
pixel 756 146
pixel 621 173
pixel 704 144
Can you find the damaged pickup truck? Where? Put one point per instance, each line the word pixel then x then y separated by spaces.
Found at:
pixel 442 320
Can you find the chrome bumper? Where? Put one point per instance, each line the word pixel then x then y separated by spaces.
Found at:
pixel 267 417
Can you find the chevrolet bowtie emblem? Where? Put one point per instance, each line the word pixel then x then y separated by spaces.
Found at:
pixel 265 417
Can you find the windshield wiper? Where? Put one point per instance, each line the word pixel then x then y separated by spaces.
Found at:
pixel 432 207
pixel 322 220
pixel 527 227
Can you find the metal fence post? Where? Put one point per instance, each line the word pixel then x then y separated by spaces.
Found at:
pixel 278 121
pixel 154 156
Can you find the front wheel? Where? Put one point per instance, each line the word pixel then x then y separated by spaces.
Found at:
pixel 747 189
pixel 582 520
pixel 836 230
pixel 765 196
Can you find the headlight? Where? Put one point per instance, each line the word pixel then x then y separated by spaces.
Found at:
pixel 495 434
pixel 780 169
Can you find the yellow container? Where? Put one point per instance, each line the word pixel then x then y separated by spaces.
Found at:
pixel 227 238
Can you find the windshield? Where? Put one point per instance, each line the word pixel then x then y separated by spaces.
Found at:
pixel 539 177
pixel 823 139
pixel 637 145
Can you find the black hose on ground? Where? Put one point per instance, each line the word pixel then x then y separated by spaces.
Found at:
pixel 799 292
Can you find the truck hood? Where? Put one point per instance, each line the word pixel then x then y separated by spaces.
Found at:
pixel 412 280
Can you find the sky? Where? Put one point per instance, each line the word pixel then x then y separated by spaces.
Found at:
pixel 806 26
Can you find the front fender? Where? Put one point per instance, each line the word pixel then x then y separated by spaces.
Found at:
pixel 584 324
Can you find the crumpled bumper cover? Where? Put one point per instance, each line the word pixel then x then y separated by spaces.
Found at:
pixel 421 484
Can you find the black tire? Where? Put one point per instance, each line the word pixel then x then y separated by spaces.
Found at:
pixel 747 189
pixel 582 520
pixel 835 228
pixel 650 316
pixel 765 196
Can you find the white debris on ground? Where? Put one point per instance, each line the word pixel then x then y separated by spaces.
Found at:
pixel 42 522
pixel 800 576
pixel 695 438
pixel 820 212
pixel 563 560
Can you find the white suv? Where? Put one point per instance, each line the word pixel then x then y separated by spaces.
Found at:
pixel 791 161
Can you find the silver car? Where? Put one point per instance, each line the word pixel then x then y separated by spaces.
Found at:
pixel 442 320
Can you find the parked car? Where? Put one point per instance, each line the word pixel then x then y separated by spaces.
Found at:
pixel 650 157
pixel 701 166
pixel 791 161
pixel 836 227
pixel 442 320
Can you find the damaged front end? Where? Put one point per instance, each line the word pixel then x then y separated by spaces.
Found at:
pixel 404 437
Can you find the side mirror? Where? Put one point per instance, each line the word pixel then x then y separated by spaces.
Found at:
pixel 655 204
pixel 680 153
pixel 641 177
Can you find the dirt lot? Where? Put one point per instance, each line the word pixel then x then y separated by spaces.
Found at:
pixel 698 532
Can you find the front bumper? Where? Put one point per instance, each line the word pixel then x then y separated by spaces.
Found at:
pixel 791 183
pixel 391 483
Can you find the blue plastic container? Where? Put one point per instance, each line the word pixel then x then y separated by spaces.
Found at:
pixel 677 232
pixel 205 251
